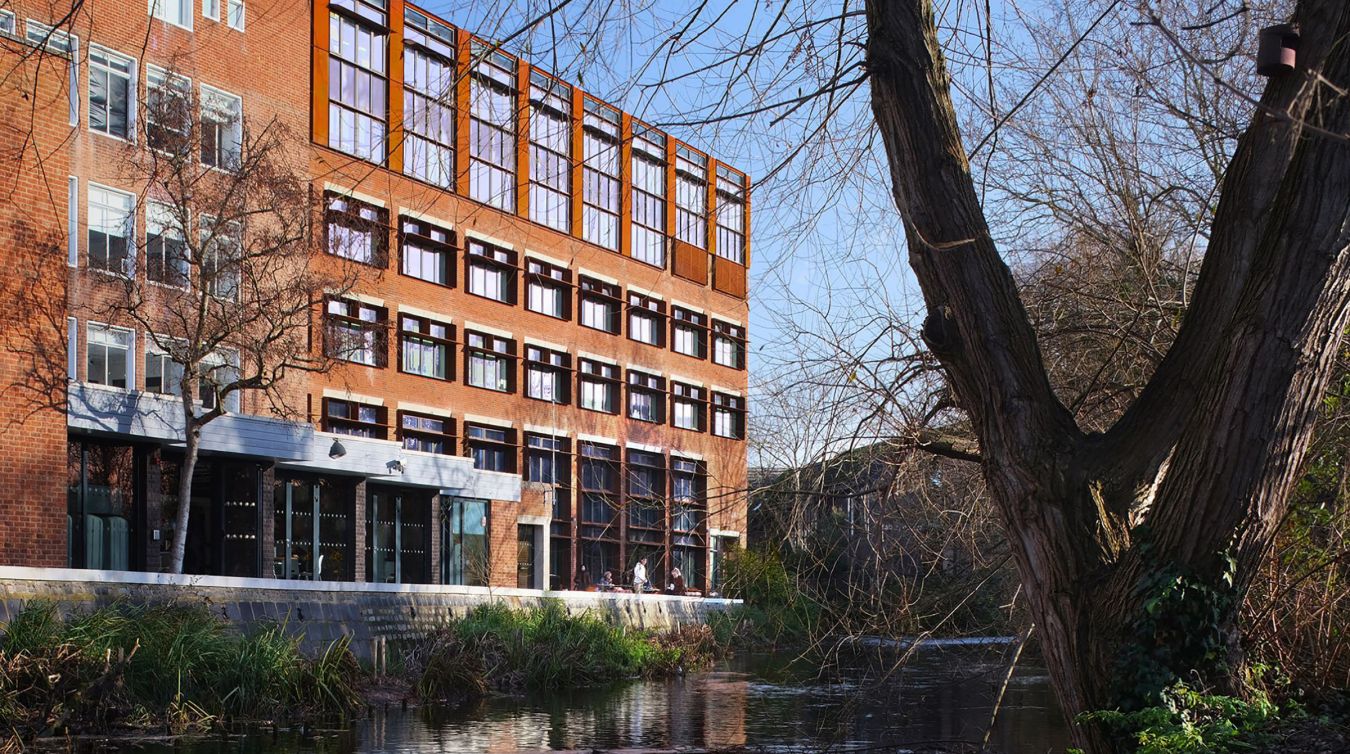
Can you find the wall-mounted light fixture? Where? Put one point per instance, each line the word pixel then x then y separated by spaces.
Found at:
pixel 1277 53
pixel 337 450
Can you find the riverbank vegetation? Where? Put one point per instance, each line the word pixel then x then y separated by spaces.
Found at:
pixel 495 649
pixel 174 667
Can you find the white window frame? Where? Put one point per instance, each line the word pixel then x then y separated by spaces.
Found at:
pixel 129 263
pixel 234 14
pixel 211 100
pixel 211 10
pixel 132 97
pixel 98 327
pixel 184 12
pixel 489 281
pixel 9 23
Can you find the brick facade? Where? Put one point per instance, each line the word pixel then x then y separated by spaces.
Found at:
pixel 269 64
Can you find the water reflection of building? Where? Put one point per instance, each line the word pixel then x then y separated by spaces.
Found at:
pixel 547 375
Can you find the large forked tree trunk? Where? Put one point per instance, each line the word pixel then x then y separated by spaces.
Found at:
pixel 1188 487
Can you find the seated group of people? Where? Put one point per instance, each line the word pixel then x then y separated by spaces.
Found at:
pixel 641 584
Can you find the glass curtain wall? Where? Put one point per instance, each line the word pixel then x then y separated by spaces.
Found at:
pixel 398 536
pixel 313 530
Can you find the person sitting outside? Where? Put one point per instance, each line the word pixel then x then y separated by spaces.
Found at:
pixel 606 583
pixel 676 585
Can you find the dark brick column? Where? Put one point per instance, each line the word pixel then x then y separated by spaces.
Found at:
pixel 358 538
pixel 267 520
pixel 152 513
pixel 434 538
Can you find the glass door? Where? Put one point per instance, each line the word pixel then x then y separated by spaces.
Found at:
pixel 464 544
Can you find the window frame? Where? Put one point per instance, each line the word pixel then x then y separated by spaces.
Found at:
pixel 603 293
pixel 423 233
pixel 648 210
pixel 603 374
pixel 491 351
pixel 373 20
pixel 550 277
pixel 601 174
pixel 651 386
pixel 732 406
pixel 128 261
pixel 682 319
pixel 492 73
pixel 434 41
pixel 683 393
pixel 379 429
pixel 733 334
pixel 731 202
pixel 162 227
pixel 558 364
pixel 226 147
pixel 643 306
pixel 561 450
pixel 446 343
pixel 550 99
pixel 447 435
pixel 351 217
pixel 129 369
pixel 652 499
pixel 106 68
pixel 508 445
pixel 172 84
pixel 379 328
pixel 188 4
pixel 691 196
pixel 498 259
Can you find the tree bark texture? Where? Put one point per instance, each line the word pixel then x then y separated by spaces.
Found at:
pixel 1195 477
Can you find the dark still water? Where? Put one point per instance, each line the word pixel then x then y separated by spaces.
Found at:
pixel 943 696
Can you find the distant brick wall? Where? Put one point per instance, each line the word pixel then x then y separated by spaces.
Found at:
pixel 363 612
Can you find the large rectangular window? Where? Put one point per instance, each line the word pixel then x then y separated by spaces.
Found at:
pixel 398 542
pixel 356 230
pixel 550 152
pixel 688 519
pixel 464 548
pixel 427 251
pixel 646 319
pixel 490 361
pixel 728 413
pixel 222 244
pixel 176 12
pixel 598 386
pixel 426 433
pixel 491 271
pixel 548 460
pixel 599 303
pixel 649 196
pixel 492 128
pixel 428 99
pixel 728 344
pixel 646 508
pixel 356 332
pixel 426 347
pixel 111 230
pixel 549 288
pixel 598 523
pixel 111 92
pixel 357 83
pixel 646 397
pixel 168 110
pixel 222 128
pixel 688 406
pixel 600 175
pixel 163 375
pixel 108 356
pixel 691 197
pixel 165 247
pixel 492 448
pixel 547 374
pixel 730 215
pixel 345 417
pixel 688 332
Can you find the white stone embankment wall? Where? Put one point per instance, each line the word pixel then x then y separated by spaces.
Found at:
pixel 321 611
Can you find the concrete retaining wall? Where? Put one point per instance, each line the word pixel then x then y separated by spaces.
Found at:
pixel 322 611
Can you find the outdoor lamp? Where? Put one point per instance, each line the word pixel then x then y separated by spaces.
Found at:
pixel 1277 52
pixel 337 451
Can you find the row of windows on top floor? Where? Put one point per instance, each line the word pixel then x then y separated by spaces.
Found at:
pixel 109 91
pixel 358 231
pixel 177 12
pixel 358 114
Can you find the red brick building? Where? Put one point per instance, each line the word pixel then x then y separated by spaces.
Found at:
pixel 550 312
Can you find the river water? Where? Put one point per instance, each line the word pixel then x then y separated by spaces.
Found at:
pixel 942 696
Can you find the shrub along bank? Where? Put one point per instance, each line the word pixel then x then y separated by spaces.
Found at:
pixel 495 649
pixel 175 667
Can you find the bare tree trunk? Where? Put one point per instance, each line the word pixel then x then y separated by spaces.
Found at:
pixel 1190 486
pixel 192 431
